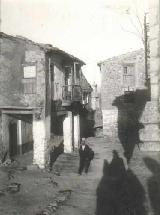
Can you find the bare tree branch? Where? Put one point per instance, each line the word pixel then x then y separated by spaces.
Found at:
pixel 137 16
pixel 139 35
pixel 133 24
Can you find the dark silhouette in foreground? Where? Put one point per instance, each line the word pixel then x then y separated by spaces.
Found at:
pixel 130 108
pixel 119 191
pixel 154 184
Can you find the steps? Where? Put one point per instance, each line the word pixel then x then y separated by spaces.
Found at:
pixel 66 163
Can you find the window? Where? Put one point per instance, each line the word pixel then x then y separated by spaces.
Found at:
pixel 85 98
pixel 29 71
pixel 29 86
pixel 29 79
pixel 52 72
pixel 128 76
pixel 68 75
pixel 77 66
pixel 129 83
pixel 125 70
pixel 56 87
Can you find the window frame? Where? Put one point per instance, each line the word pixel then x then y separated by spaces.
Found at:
pixel 30 80
pixel 125 74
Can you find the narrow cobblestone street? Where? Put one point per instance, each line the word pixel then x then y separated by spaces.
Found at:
pixel 137 187
pixel 83 198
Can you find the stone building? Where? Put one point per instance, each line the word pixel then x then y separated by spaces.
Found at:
pixel 95 98
pixel 41 97
pixel 87 119
pixel 123 98
pixel 151 118
pixel 87 91
pixel 127 101
pixel 96 107
pixel 122 76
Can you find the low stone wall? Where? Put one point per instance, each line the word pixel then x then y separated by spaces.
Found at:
pixel 110 125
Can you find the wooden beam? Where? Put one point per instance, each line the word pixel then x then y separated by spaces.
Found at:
pixel 19 108
pixel 18 112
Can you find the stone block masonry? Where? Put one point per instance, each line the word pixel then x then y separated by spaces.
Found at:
pixel 18 55
pixel 114 85
pixel 150 135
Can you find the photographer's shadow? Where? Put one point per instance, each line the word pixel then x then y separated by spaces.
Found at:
pixel 119 191
pixel 154 184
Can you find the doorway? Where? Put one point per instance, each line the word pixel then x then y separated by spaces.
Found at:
pixel 13 139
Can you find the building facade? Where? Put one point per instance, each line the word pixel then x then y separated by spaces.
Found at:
pixel 151 118
pixel 40 99
pixel 122 77
pixel 87 118
pixel 96 107
pixel 130 93
pixel 95 98
pixel 124 95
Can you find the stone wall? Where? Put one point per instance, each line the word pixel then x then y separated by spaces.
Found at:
pixel 14 54
pixel 112 76
pixel 154 39
pixel 4 136
pixel 5 132
pixel 113 86
pixel 150 118
pixel 17 53
pixel 58 73
pixel 95 98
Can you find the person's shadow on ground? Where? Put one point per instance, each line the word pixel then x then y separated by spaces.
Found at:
pixel 154 184
pixel 119 191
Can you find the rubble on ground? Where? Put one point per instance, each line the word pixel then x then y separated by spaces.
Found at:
pixel 7 162
pixel 11 188
pixel 59 200
pixel 14 187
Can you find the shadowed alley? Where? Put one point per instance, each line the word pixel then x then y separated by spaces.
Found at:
pixel 109 187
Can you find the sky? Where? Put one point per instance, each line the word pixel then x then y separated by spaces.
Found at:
pixel 92 30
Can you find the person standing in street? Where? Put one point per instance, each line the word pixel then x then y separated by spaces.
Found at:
pixel 86 155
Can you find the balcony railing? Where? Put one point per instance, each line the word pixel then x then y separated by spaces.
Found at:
pixel 71 93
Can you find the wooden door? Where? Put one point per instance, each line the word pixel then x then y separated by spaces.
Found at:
pixel 13 145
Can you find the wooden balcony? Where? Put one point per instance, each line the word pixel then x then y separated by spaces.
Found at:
pixel 70 94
